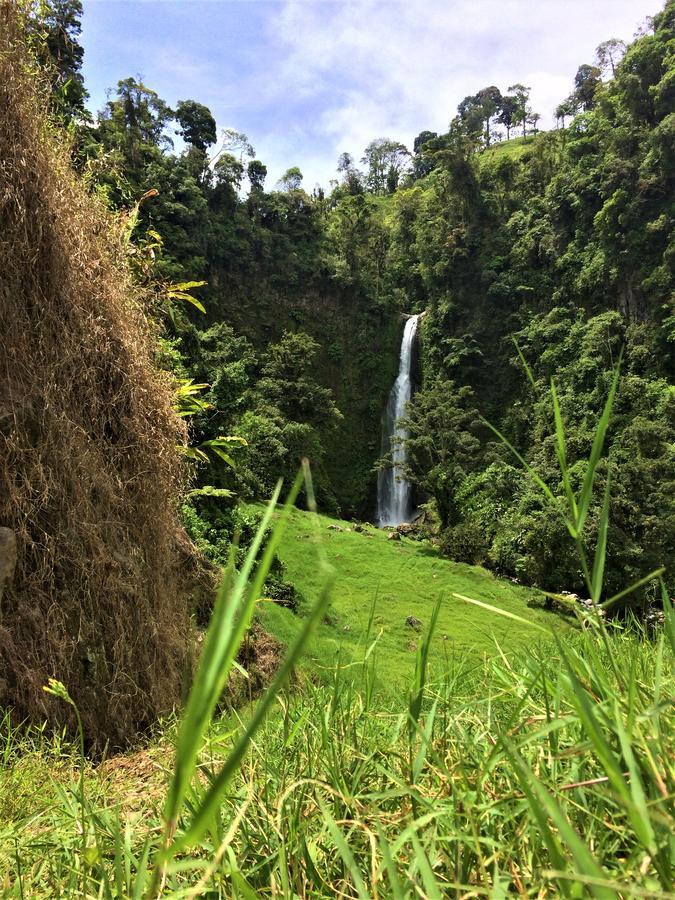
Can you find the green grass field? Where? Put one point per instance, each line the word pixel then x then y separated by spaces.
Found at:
pixel 514 148
pixel 401 579
pixel 543 770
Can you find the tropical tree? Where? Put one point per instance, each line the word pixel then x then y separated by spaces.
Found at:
pixel 608 54
pixel 256 172
pixel 470 111
pixel 521 95
pixel 54 28
pixel 132 128
pixel 566 109
pixel 586 82
pixel 291 180
pixel 490 101
pixel 197 125
pixel 507 112
pixel 235 143
pixel 352 178
pixel 228 170
pixel 386 160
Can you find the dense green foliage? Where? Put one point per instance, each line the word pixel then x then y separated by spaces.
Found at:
pixel 561 240
pixel 425 751
pixel 568 248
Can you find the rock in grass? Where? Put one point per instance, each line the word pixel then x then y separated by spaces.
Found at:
pixel 394 536
pixel 413 622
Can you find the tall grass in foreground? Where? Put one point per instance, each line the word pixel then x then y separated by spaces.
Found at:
pixel 550 771
pixel 541 773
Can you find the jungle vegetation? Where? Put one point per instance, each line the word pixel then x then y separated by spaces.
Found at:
pixel 552 248
pixel 315 708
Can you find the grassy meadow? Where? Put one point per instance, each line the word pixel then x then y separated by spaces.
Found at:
pixel 497 761
pixel 513 149
pixel 390 581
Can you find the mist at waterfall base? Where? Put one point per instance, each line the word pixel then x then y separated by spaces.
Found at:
pixel 394 492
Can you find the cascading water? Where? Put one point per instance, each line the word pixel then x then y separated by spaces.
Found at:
pixel 394 492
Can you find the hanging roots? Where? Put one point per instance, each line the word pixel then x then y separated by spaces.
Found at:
pixel 89 470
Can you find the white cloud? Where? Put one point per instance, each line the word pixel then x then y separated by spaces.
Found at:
pixel 309 79
pixel 392 68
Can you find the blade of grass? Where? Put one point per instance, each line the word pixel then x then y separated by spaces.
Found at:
pixel 528 468
pixel 421 663
pixel 657 573
pixel 220 648
pixel 211 800
pixel 528 370
pixel 596 450
pixel 424 743
pixel 600 547
pixel 561 452
pixel 668 613
pixel 431 889
pixel 389 865
pixel 503 612
pixel 344 850
pixel 603 750
pixel 645 831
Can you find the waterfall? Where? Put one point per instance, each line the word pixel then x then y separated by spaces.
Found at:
pixel 394 504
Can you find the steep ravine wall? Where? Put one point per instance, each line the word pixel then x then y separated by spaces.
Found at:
pixel 358 360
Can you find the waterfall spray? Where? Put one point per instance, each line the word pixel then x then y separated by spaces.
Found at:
pixel 394 492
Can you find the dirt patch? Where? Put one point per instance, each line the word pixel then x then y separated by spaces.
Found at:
pixel 137 781
pixel 260 655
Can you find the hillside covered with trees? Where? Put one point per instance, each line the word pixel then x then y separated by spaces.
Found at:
pixel 182 341
pixel 555 247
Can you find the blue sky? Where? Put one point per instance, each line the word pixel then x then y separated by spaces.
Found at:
pixel 309 79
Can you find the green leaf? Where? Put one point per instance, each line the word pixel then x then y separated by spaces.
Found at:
pixel 188 298
pixel 388 864
pixel 187 285
pixel 669 614
pixel 600 547
pixel 633 587
pixel 528 370
pixel 231 617
pixel 503 612
pixel 431 889
pixel 596 450
pixel 211 801
pixel 424 743
pixel 220 646
pixel 345 851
